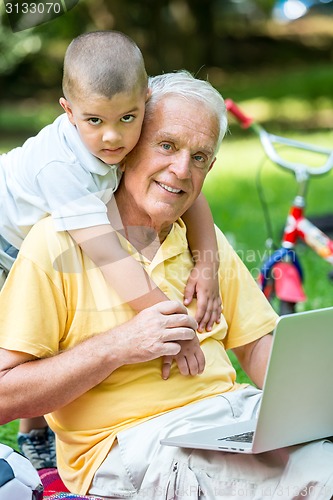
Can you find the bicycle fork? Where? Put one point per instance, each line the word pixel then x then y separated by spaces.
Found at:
pixel 282 275
pixel 287 271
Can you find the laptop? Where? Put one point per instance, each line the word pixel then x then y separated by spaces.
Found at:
pixel 297 402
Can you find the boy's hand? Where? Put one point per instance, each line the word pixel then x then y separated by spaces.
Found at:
pixel 203 285
pixel 190 359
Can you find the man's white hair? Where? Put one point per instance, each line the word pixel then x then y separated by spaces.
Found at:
pixel 182 83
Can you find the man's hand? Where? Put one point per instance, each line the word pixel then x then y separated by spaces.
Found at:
pixel 160 330
pixel 203 284
pixel 190 359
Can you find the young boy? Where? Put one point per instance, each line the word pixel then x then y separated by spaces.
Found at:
pixel 71 169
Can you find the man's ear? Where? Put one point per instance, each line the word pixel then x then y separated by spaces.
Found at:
pixel 148 94
pixel 68 109
pixel 211 165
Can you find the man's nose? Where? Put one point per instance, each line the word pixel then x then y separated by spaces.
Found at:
pixel 181 165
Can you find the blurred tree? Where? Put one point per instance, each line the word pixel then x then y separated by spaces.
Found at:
pixel 14 49
pixel 207 37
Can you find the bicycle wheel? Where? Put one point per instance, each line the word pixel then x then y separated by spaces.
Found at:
pixel 287 307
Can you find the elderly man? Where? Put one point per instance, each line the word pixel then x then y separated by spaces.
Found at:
pixel 71 349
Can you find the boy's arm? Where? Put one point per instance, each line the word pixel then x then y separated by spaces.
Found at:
pixel 203 281
pixel 120 270
pixel 134 286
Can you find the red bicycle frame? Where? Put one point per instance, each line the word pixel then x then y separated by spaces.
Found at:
pixel 299 227
pixel 288 274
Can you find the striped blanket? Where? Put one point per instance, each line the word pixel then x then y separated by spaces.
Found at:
pixel 55 489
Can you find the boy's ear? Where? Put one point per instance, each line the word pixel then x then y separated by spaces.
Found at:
pixel 68 109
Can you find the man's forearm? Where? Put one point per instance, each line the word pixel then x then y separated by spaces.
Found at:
pixel 253 358
pixel 40 386
pixel 31 387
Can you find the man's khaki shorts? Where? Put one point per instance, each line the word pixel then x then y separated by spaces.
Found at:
pixel 139 467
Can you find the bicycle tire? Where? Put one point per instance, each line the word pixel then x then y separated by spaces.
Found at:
pixel 287 307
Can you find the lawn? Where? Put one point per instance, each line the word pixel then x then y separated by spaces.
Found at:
pixel 231 185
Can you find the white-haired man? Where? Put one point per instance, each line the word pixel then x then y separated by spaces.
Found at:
pixel 72 350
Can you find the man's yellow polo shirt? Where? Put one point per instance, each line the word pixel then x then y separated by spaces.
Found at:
pixel 56 297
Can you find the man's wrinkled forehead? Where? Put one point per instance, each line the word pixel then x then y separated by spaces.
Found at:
pixel 177 138
pixel 177 118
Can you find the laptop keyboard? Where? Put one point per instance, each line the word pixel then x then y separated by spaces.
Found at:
pixel 245 437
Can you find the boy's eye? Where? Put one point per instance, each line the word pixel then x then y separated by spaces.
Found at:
pixel 128 118
pixel 95 121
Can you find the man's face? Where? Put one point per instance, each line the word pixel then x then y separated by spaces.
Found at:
pixel 165 172
pixel 109 128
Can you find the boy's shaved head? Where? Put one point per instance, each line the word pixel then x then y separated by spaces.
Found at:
pixel 102 63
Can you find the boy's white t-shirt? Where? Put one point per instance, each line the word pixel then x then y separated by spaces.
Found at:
pixel 53 173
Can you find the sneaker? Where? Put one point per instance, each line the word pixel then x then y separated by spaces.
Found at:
pixel 39 447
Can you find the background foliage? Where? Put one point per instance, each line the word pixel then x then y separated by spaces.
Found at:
pixel 218 38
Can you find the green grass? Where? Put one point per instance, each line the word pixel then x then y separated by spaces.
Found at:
pixel 8 433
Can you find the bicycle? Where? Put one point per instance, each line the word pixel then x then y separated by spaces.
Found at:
pixel 281 274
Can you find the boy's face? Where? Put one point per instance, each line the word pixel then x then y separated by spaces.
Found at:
pixel 109 128
pixel 165 172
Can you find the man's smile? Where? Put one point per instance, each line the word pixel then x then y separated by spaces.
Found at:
pixel 169 188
